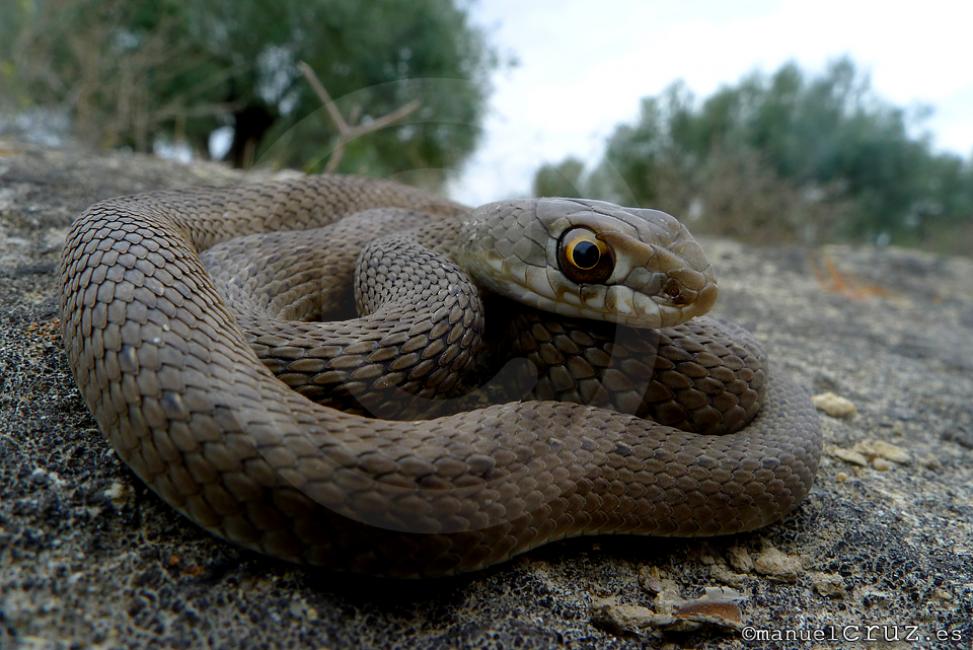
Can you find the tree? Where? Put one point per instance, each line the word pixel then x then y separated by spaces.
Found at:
pixel 789 156
pixel 561 179
pixel 134 73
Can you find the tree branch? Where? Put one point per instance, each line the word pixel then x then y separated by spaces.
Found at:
pixel 348 132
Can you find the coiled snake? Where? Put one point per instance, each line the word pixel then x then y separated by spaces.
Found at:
pixel 627 429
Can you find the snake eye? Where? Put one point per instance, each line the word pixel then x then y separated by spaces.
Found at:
pixel 584 254
pixel 584 258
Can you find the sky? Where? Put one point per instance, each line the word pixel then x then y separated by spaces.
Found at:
pixel 583 66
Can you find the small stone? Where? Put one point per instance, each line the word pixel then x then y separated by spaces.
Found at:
pixel 942 595
pixel 718 607
pixel 881 464
pixel 623 618
pixel 847 455
pixel 656 583
pixel 841 477
pixel 834 405
pixel 650 580
pixel 873 449
pixel 726 576
pixel 775 564
pixel 831 585
pixel 120 494
pixel 740 559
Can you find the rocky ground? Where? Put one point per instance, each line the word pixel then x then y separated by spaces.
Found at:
pixel 90 558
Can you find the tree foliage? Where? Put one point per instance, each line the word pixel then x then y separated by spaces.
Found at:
pixel 132 73
pixel 789 155
pixel 559 179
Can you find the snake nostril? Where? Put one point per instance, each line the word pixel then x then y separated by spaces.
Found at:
pixel 673 291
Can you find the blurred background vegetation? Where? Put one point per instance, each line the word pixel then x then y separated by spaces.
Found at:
pixel 784 157
pixel 781 157
pixel 150 74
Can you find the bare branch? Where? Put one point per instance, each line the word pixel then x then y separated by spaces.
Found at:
pixel 325 97
pixel 346 131
pixel 387 119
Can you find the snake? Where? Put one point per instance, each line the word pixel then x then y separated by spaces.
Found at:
pixel 358 375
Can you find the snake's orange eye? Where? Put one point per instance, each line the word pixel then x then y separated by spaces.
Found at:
pixel 584 258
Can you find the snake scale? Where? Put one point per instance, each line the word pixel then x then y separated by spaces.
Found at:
pixel 509 375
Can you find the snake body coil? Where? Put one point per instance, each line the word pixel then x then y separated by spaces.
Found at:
pixel 175 351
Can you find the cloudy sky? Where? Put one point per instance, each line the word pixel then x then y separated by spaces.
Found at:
pixel 584 64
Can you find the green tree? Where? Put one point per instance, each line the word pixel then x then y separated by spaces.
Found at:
pixel 789 155
pixel 134 73
pixel 561 179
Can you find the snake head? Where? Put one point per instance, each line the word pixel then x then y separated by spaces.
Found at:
pixel 590 259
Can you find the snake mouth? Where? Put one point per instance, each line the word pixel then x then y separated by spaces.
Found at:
pixel 657 284
pixel 676 305
pixel 689 295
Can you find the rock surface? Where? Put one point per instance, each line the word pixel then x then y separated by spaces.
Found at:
pixel 89 557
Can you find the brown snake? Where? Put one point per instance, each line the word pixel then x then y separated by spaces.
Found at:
pixel 164 346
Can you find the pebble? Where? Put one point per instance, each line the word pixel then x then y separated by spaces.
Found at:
pixel 718 608
pixel 777 565
pixel 834 405
pixel 878 454
pixel 740 559
pixel 120 494
pixel 875 449
pixel 847 455
pixel 831 585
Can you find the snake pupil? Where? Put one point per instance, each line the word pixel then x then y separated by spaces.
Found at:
pixel 583 258
pixel 585 254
